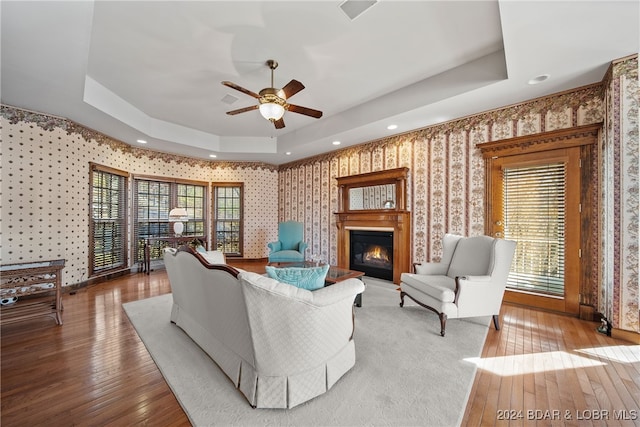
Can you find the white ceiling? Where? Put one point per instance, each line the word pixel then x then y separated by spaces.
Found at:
pixel 153 69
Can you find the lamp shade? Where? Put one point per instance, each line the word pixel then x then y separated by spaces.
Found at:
pixel 271 111
pixel 178 214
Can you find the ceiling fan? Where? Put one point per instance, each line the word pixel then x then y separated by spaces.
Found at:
pixel 272 101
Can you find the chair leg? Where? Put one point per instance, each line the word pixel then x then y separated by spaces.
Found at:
pixel 402 294
pixel 443 321
pixel 496 322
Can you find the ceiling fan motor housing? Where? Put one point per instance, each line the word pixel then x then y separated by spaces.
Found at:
pixel 271 94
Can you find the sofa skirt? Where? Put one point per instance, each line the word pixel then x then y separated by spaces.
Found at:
pixel 264 391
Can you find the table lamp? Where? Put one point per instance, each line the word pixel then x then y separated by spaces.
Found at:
pixel 177 216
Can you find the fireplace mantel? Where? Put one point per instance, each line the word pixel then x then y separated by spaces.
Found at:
pixel 394 217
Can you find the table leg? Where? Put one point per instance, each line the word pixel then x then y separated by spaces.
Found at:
pixel 147 258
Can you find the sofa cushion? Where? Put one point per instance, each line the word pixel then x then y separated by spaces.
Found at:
pixel 311 278
pixel 439 287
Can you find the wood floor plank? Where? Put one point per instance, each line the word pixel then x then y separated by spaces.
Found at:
pixel 94 370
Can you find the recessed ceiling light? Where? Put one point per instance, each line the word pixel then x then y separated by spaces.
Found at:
pixel 142 141
pixel 288 153
pixel 213 156
pixel 392 127
pixel 539 79
pixel 336 142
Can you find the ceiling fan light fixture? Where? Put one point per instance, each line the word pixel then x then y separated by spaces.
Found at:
pixel 272 106
pixel 271 111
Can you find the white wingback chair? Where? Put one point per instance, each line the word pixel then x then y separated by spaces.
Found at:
pixel 468 282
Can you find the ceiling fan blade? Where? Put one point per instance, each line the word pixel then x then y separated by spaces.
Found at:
pixel 306 111
pixel 242 110
pixel 240 88
pixel 292 88
pixel 279 124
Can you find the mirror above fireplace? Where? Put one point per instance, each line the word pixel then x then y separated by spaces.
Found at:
pixel 381 190
pixel 372 197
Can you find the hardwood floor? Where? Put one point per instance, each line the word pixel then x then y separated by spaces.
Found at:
pixel 94 370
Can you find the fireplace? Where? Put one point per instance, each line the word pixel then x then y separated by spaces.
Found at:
pixel 373 206
pixel 372 253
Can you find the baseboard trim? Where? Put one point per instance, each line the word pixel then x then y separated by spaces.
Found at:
pixel 95 280
pixel 622 334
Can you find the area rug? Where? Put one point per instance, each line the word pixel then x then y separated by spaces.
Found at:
pixel 405 374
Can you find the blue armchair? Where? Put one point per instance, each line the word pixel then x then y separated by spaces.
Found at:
pixel 290 246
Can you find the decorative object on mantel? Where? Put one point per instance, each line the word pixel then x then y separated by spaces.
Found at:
pixel 178 216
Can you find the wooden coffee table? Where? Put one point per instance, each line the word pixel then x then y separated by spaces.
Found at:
pixel 334 275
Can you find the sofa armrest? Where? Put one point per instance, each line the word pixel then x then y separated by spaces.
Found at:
pixel 275 246
pixel 302 246
pixel 431 268
pixel 346 289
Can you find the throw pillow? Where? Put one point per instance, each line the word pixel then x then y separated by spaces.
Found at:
pixel 311 278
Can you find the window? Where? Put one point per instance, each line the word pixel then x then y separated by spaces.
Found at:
pixel 153 199
pixel 534 216
pixel 192 198
pixel 539 194
pixel 228 220
pixel 108 223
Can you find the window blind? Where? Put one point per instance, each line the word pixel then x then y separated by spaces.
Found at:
pixel 108 226
pixel 534 216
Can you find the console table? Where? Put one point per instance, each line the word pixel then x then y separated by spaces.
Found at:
pixel 172 242
pixel 37 287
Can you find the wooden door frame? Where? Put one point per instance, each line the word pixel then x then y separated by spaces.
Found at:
pixel 573 144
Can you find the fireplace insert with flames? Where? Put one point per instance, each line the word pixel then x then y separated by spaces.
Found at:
pixel 372 253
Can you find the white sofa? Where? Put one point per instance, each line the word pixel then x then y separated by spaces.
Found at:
pixel 279 344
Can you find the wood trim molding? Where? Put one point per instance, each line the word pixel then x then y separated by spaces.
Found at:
pixel 563 138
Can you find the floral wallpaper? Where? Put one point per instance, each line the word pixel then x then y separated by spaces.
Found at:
pixel 447 188
pixel 619 297
pixel 45 188
pixel 447 172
